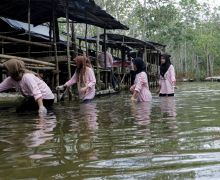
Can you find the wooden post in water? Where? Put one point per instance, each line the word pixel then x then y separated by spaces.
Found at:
pixel 68 46
pixel 55 31
pixel 97 63
pixel 68 39
pixel 105 72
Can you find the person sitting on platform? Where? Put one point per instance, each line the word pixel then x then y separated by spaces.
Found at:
pixel 85 79
pixel 140 90
pixel 29 84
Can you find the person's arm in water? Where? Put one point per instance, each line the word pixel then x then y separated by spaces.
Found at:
pixel 134 96
pixel 34 89
pixel 42 109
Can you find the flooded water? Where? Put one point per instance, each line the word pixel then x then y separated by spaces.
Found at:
pixel 112 138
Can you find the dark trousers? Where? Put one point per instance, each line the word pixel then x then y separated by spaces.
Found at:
pixel 29 104
pixel 162 95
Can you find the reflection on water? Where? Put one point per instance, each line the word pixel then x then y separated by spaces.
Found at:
pixel 43 131
pixel 141 111
pixel 89 113
pixel 168 106
pixel 113 138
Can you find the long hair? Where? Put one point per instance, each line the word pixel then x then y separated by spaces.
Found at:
pixel 165 66
pixel 140 65
pixel 81 62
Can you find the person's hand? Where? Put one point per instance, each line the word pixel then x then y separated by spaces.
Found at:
pixel 60 87
pixel 83 90
pixel 158 90
pixel 132 89
pixel 42 110
pixel 133 99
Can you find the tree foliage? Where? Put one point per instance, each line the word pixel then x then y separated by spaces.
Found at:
pixel 190 30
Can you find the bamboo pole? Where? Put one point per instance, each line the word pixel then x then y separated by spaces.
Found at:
pixel 97 54
pixel 68 39
pixel 24 41
pixel 86 43
pixel 73 41
pixel 3 56
pixel 68 48
pixel 55 28
pixel 106 73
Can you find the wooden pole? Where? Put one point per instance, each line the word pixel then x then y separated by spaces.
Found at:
pixel 106 73
pixel 29 28
pixel 86 43
pixel 97 63
pixel 55 46
pixel 104 47
pixel 68 47
pixel 73 39
pixel 68 38
pixel 24 41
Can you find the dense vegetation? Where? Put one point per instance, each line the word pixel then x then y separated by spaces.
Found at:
pixel 189 29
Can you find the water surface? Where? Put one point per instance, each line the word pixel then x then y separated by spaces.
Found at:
pixel 112 138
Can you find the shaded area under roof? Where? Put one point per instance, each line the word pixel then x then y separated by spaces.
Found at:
pixel 80 11
pixel 133 42
pixel 118 40
pixel 109 43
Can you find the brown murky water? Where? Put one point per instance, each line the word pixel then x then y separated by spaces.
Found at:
pixel 112 138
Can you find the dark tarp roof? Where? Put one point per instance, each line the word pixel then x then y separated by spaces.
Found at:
pixel 81 11
pixel 18 27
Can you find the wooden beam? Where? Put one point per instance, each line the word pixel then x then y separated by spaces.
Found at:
pixel 3 56
pixel 24 41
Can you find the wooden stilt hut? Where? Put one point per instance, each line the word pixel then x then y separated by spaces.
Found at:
pixel 122 47
pixel 35 12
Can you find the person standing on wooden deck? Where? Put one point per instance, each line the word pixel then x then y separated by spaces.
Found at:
pixel 109 59
pixel 108 64
pixel 38 94
pixel 167 79
pixel 140 89
pixel 84 77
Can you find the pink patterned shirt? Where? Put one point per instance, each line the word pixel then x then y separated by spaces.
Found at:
pixel 142 87
pixel 168 81
pixel 90 81
pixel 30 86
